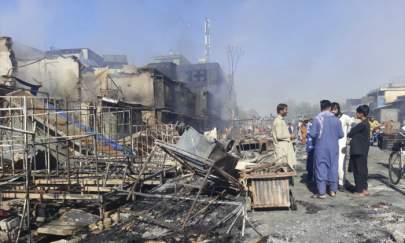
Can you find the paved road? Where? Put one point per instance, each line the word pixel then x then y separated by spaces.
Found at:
pixel 346 218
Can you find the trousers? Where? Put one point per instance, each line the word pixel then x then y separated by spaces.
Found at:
pixel 360 171
pixel 310 166
pixel 342 156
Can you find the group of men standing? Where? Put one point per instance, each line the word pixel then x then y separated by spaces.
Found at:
pixel 326 146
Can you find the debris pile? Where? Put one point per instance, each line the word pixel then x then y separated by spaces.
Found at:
pixel 168 182
pixel 91 146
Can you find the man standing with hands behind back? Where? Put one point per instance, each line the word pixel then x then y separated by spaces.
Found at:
pixel 283 146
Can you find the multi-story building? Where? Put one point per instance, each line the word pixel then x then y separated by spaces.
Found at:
pixel 386 103
pixel 384 95
pixel 216 98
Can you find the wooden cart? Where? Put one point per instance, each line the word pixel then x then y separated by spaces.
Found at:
pixel 268 186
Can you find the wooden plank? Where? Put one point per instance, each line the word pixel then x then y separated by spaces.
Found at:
pixel 82 189
pixel 61 230
pixel 269 175
pixel 73 181
pixel 63 181
pixel 49 196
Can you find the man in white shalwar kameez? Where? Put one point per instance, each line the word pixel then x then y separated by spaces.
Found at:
pixel 347 122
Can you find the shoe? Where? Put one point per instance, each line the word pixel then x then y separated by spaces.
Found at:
pixel 341 188
pixel 332 194
pixel 317 196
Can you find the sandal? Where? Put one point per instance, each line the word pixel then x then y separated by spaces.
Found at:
pixel 364 194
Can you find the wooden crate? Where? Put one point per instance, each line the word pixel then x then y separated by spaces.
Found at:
pixel 269 189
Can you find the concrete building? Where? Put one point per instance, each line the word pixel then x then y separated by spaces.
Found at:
pixel 210 78
pixel 387 103
pixel 167 100
pixel 173 58
pixel 384 95
pixel 58 75
pixel 115 61
pixel 393 111
pixel 215 94
pixel 8 63
pixel 167 68
pixel 85 55
pixel 169 90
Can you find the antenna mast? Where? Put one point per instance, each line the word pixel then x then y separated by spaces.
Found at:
pixel 207 40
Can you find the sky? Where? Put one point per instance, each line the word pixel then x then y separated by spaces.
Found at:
pixel 292 49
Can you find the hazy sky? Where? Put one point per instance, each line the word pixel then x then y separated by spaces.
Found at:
pixel 300 50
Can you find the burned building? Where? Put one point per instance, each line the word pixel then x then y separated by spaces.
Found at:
pixel 85 55
pixel 177 59
pixel 115 61
pixel 8 63
pixel 216 98
pixel 169 101
pixel 210 78
pixel 58 75
pixel 170 89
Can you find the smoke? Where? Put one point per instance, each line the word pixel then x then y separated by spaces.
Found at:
pixel 27 21
pixel 58 76
pixel 310 51
pixel 293 50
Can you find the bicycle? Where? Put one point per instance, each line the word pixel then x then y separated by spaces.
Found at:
pixel 396 161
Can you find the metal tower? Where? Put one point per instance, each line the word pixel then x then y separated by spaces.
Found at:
pixel 207 40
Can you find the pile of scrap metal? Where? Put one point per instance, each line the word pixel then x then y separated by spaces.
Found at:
pixel 205 158
pixel 207 201
pixel 144 136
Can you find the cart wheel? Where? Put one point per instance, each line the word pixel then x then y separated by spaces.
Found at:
pixel 293 204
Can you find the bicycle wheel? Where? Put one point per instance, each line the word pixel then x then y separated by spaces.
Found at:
pixel 395 167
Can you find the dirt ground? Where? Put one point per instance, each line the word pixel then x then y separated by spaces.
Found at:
pixel 346 218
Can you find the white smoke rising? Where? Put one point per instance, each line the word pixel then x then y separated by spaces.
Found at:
pixel 294 50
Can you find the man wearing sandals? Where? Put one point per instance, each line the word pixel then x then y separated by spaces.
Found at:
pixel 326 130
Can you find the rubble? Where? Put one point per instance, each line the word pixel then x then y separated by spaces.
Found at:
pixel 95 149
pixel 94 153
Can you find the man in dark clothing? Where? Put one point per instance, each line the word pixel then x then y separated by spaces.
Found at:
pixel 359 146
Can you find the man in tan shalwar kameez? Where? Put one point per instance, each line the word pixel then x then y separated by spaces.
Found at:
pixel 283 146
